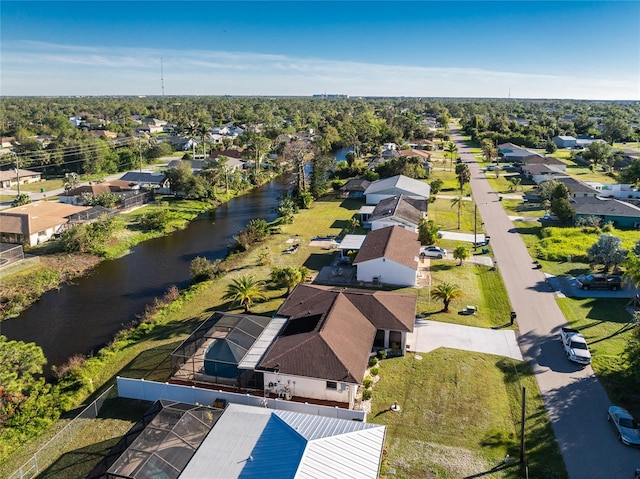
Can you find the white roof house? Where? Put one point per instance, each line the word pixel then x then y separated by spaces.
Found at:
pixel 252 442
pixel 395 186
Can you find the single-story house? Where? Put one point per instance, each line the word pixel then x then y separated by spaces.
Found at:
pixel 513 153
pixel 564 141
pixel 75 196
pixel 323 351
pixel 148 180
pixel 354 188
pixel 398 210
pixel 192 441
pixel 9 178
pixel 394 186
pixel 390 256
pixel 577 188
pixel 350 243
pixel 621 213
pixel 540 173
pixel 544 160
pixel 103 134
pixel 7 141
pixel 35 223
pixel 364 213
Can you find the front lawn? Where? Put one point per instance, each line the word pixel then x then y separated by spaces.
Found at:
pixel 460 416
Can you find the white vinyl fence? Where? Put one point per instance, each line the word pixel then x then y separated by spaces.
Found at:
pixel 152 391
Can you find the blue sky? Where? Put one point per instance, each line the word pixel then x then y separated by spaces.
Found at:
pixel 538 49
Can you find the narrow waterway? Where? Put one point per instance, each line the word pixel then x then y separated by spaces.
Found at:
pixel 81 318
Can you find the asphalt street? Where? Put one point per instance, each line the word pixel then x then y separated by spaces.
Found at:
pixel 574 399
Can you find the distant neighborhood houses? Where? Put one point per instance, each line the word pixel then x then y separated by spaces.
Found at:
pixel 10 178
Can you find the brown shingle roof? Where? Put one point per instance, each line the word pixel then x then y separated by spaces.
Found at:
pixel 401 207
pixel 394 243
pixel 337 325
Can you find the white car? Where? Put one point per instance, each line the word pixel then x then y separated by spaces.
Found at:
pixel 433 252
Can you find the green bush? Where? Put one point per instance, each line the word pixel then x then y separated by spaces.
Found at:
pixel 374 371
pixel 366 394
pixel 382 354
pixel 367 382
pixel 373 361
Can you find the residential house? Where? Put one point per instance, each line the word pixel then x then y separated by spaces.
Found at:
pixel 389 256
pixel 192 441
pixel 76 196
pixel 10 178
pixel 513 153
pixel 621 213
pixel 363 215
pixel 354 188
pixel 106 134
pixel 399 210
pixel 7 141
pixel 618 191
pixel 540 173
pixel 563 141
pixel 155 180
pixel 35 223
pixel 577 188
pixel 549 161
pixel 394 186
pixel 323 350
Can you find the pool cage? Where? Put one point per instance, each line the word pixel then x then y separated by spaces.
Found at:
pixel 214 351
pixel 160 444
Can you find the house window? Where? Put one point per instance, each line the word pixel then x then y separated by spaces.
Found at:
pixel 332 385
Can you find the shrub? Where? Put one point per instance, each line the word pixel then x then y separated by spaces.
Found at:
pixel 155 220
pixel 202 269
pixel 382 354
pixel 367 382
pixel 373 361
pixel 374 371
pixel 366 394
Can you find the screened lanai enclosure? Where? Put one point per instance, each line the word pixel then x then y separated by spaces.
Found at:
pixel 225 349
pixel 10 253
pixel 160 444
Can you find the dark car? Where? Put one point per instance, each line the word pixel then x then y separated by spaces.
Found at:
pixel 599 281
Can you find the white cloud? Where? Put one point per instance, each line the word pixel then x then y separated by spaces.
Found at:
pixel 81 70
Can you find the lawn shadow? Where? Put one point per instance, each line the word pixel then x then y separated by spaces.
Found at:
pixel 80 462
pixel 352 204
pixel 339 224
pixel 493 470
pixel 317 261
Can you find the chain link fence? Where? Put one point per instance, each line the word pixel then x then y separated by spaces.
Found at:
pixel 52 450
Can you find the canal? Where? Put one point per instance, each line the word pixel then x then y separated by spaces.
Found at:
pixel 82 317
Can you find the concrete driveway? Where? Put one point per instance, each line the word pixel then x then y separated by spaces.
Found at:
pixel 567 286
pixel 430 335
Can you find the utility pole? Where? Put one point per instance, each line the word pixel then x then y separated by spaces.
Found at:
pixel 522 419
pixel 162 75
pixel 17 171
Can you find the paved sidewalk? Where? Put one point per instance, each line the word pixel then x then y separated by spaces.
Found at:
pixel 430 335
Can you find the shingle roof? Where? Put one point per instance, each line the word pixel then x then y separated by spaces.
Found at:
pixel 541 160
pixel 337 325
pixel 604 207
pixel 394 243
pixel 11 174
pixel 576 186
pixel 401 207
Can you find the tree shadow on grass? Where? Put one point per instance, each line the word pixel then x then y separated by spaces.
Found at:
pixel 80 462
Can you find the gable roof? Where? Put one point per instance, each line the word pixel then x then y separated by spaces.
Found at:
pixel 542 160
pixel 36 217
pixel 604 207
pixel 394 243
pixel 254 443
pixel 155 178
pixel 402 207
pixel 399 184
pixel 338 325
pixel 576 186
pixel 11 174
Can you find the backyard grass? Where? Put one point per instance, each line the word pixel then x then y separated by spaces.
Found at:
pixel 48 185
pixel 473 432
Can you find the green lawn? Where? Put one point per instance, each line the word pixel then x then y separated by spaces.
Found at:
pixel 448 429
pixel 48 185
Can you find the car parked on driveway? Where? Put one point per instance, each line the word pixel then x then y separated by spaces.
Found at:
pixel 626 427
pixel 599 281
pixel 433 252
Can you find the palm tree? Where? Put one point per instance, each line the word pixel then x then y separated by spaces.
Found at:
pixel 452 149
pixel 288 276
pixel 447 292
pixel 515 183
pixel 461 252
pixel 458 201
pixel 245 291
pixel 354 223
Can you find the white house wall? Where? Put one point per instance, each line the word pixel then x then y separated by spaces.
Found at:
pixel 379 224
pixel 311 388
pixel 387 272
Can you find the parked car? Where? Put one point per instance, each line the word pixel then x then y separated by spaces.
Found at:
pixel 433 252
pixel 626 427
pixel 548 217
pixel 599 281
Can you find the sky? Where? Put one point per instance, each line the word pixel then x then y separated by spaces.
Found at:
pixel 518 49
